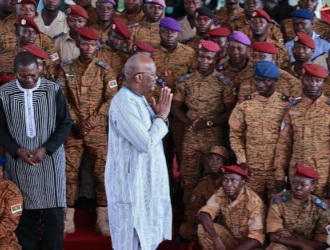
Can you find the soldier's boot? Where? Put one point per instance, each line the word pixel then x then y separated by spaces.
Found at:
pixel 69 226
pixel 102 222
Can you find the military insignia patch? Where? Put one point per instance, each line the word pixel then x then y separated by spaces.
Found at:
pixel 66 63
pixel 114 26
pixel 16 208
pixel 280 198
pixel 296 38
pixel 23 21
pixel 103 64
pixel 68 11
pixel 184 77
pixel 224 79
pixel 328 102
pixel 321 203
pixel 134 48
pixel 283 125
pixel 112 84
pixel 327 228
pixel 254 13
pixel 54 57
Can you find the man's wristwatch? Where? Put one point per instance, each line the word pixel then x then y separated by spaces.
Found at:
pixel 209 123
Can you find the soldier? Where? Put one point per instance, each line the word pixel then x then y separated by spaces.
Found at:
pixel 114 51
pixel 6 9
pixel 298 219
pixel 187 22
pixel 229 13
pixel 305 135
pixel 105 10
pixel 242 215
pixel 286 83
pixel 203 23
pixel 209 99
pixel 259 25
pixel 51 20
pixel 302 51
pixel 254 129
pixel 89 85
pixel 132 12
pixel 221 37
pixel 66 43
pixel 141 47
pixel 243 22
pixel 11 206
pixel 320 26
pixel 148 30
pixel 303 22
pixel 205 188
pixel 87 5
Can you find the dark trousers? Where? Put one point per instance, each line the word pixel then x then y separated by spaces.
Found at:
pixel 51 227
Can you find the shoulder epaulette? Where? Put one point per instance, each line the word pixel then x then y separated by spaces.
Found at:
pixel 133 25
pixel 244 98
pixel 328 102
pixel 101 41
pixel 224 79
pixel 183 41
pixel 58 35
pixel 219 68
pixel 287 98
pixel 321 203
pixel 161 82
pixel 102 64
pixel 293 102
pixel 67 63
pixel 184 77
pixel 280 198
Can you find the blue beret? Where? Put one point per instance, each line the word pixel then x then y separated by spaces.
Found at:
pixel 170 23
pixel 266 69
pixel 303 13
pixel 2 160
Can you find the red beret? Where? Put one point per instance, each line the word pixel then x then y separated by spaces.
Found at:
pixel 311 69
pixel 5 78
pixel 265 47
pixel 220 32
pixel 261 13
pixel 143 46
pixel 27 2
pixel 209 46
pixel 27 22
pixel 305 39
pixel 88 33
pixel 120 27
pixel 36 51
pixel 235 169
pixel 76 10
pixel 306 172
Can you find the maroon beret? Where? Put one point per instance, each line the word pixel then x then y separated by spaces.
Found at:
pixel 305 39
pixel 306 172
pixel 5 78
pixel 27 22
pixel 77 10
pixel 120 27
pixel 209 46
pixel 36 51
pixel 311 69
pixel 88 33
pixel 265 47
pixel 219 32
pixel 261 13
pixel 143 46
pixel 27 2
pixel 235 169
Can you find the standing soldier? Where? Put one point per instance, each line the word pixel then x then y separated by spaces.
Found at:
pixel 229 13
pixel 105 10
pixel 305 135
pixel 254 129
pixel 89 85
pixel 209 100
pixel 11 204
pixel 132 12
pixel 148 30
pixel 187 23
pixel 242 215
pixel 90 9
pixel 205 188
pixel 6 9
pixel 221 37
pixel 286 83
pixel 298 219
pixel 303 22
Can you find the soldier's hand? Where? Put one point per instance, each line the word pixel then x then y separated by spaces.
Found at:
pixel 38 155
pixel 218 244
pixel 279 185
pixel 25 155
pixel 198 124
pixel 327 190
pixel 163 106
pixel 83 127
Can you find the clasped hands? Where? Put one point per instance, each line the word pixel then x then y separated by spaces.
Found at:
pixel 32 158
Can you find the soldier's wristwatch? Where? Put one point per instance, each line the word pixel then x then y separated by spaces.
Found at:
pixel 209 123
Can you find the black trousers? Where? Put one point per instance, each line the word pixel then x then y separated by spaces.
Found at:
pixel 51 228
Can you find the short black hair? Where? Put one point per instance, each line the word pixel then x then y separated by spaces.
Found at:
pixel 24 58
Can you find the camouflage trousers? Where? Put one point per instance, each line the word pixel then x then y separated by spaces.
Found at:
pixel 10 242
pixel 196 147
pixel 95 143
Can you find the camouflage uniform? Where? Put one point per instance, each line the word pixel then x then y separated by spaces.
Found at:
pixel 89 92
pixel 92 16
pixel 326 86
pixel 8 24
pixel 11 204
pixel 239 220
pixel 194 42
pixel 205 188
pixel 131 19
pixel 226 16
pixel 146 32
pixel 101 30
pixel 7 61
pixel 205 96
pixel 254 130
pixel 286 84
pixel 306 219
pixel 305 139
pixel 320 27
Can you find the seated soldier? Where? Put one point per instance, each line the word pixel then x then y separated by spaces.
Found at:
pixel 242 222
pixel 297 219
pixel 205 188
pixel 11 203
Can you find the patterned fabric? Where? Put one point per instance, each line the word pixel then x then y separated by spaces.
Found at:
pixel 226 16
pixel 131 19
pixel 146 32
pixel 136 175
pixel 42 186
